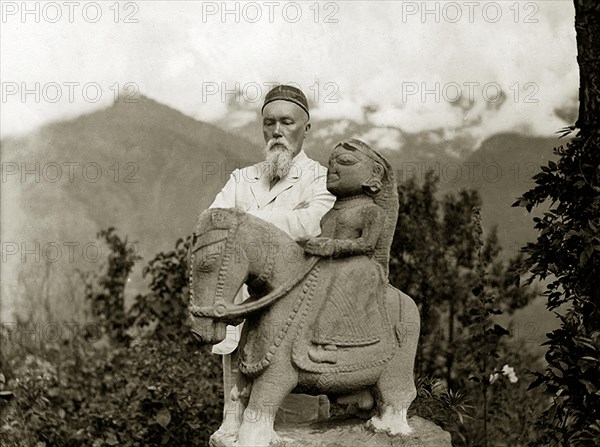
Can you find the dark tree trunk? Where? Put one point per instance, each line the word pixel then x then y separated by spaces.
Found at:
pixel 587 26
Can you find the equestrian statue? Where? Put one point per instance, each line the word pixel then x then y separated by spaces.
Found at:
pixel 321 317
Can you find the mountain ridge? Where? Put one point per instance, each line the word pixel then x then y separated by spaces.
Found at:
pixel 177 164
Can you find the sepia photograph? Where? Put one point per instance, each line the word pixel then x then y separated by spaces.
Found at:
pixel 300 223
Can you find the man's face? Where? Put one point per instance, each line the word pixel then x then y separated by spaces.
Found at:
pixel 284 119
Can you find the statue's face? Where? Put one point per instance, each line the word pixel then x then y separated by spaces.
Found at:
pixel 348 170
pixel 213 282
pixel 205 262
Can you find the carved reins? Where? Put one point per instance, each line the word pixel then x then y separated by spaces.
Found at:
pixel 222 310
pixel 228 225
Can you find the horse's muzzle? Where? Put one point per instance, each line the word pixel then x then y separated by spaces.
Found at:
pixel 208 331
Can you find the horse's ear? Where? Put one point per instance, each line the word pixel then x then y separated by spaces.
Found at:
pixel 223 218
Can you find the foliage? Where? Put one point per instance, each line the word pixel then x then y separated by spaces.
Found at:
pixel 107 298
pixel 445 407
pixel 493 390
pixel 567 251
pixel 154 393
pixel 434 259
pixel 166 305
pixel 121 385
pixel 460 282
pixel 144 382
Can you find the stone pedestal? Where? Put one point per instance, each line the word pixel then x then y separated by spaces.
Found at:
pixel 349 431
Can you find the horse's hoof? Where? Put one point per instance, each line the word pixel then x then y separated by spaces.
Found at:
pixel 228 429
pixel 378 425
pixel 254 439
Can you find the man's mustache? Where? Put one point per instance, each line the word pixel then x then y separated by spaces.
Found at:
pixel 281 141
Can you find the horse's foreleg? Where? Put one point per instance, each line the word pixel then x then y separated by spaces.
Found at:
pixel 235 395
pixel 396 385
pixel 266 396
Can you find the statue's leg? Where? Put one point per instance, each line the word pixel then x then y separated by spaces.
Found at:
pixel 266 396
pixel 396 385
pixel 233 409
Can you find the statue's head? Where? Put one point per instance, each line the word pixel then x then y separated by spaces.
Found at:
pixel 354 169
pixel 215 273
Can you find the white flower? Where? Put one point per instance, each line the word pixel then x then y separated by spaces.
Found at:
pixel 509 372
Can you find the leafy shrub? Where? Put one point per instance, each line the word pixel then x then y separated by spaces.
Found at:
pixel 567 252
pixel 165 307
pixel 123 385
pixel 108 302
pixel 156 392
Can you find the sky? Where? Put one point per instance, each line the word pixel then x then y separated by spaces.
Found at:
pixel 447 69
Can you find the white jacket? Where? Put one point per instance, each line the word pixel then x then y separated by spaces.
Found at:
pixel 248 190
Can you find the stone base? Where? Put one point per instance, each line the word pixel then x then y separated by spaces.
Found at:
pixel 343 432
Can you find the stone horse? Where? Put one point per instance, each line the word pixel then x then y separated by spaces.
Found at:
pixel 287 287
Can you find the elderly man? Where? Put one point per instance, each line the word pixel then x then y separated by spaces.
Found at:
pixel 288 189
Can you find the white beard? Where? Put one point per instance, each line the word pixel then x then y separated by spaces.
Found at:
pixel 278 158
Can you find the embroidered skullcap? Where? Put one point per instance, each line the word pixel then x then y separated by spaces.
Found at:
pixel 287 93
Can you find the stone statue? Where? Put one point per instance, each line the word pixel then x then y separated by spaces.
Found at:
pixel 362 222
pixel 320 321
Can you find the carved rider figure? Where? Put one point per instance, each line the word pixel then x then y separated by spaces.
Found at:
pixel 361 223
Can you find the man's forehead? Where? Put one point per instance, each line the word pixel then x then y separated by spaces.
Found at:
pixel 283 108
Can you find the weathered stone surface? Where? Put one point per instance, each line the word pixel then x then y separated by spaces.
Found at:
pixel 349 432
pixel 321 319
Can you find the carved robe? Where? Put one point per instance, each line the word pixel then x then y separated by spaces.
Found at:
pixel 354 226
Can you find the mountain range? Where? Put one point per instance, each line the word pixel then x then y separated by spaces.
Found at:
pixel 148 170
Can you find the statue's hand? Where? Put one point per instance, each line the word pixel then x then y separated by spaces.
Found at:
pixel 319 246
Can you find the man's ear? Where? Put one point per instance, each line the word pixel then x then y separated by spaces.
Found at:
pixel 306 128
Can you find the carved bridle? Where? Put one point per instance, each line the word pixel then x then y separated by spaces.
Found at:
pixel 222 310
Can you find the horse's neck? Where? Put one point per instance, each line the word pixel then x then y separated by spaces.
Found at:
pixel 273 256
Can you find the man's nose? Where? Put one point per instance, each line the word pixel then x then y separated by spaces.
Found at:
pixel 277 131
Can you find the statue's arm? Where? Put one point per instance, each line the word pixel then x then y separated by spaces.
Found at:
pixel 373 218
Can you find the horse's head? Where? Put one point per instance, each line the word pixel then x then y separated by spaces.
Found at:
pixel 216 273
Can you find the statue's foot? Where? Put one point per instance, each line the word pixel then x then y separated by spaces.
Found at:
pixel 228 428
pixel 328 354
pixel 232 416
pixel 257 436
pixel 391 422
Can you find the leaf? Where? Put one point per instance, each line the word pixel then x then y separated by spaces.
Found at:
pixel 163 417
pixel 111 439
pixel 499 330
pixel 591 388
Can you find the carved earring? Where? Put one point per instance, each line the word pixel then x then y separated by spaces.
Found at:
pixel 372 186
